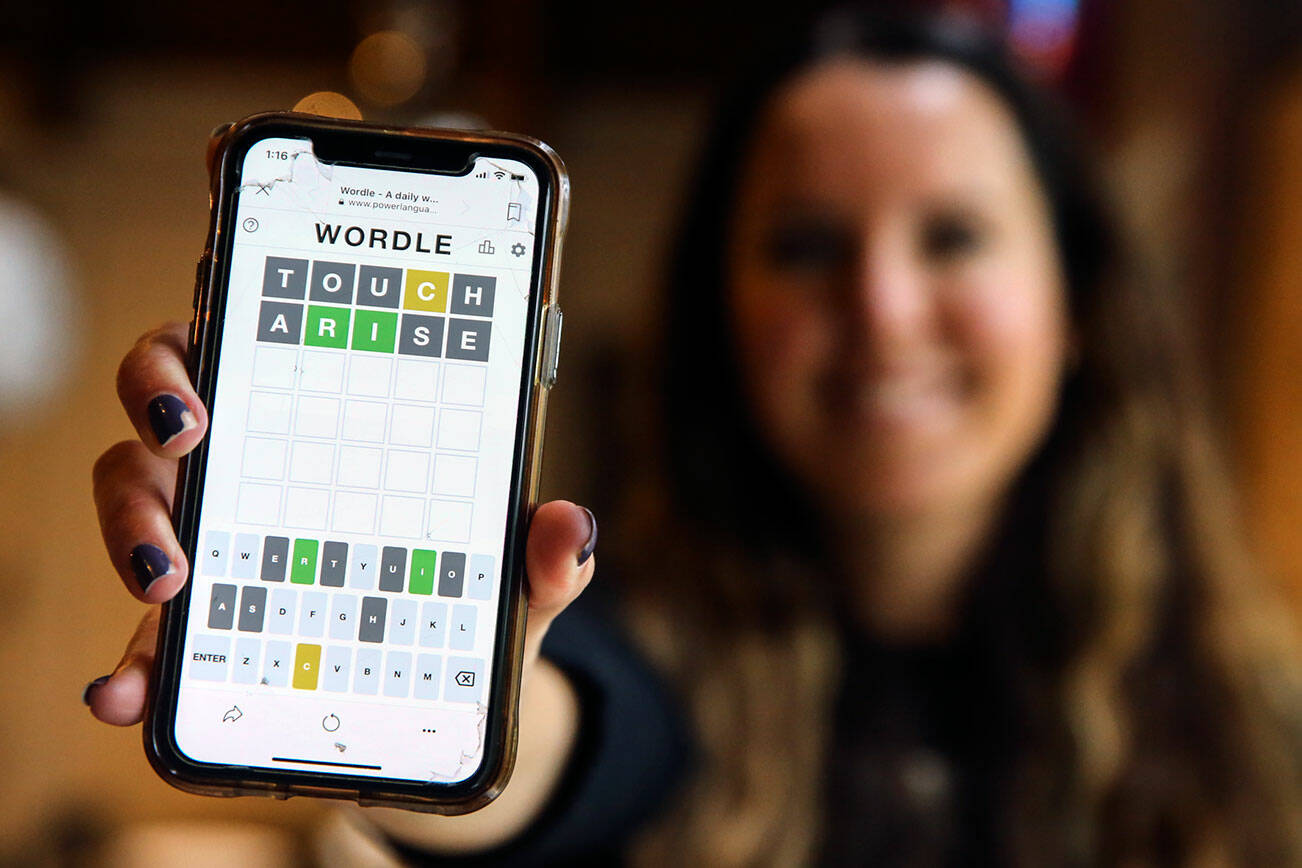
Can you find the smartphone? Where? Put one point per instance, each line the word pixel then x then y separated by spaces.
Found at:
pixel 375 334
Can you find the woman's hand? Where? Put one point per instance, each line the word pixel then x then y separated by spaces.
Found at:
pixel 134 482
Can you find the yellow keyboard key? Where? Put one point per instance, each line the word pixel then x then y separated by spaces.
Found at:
pixel 307 665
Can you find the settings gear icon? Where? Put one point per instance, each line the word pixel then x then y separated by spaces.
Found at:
pixel 517 249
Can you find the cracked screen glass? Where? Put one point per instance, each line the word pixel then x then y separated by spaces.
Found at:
pixel 346 582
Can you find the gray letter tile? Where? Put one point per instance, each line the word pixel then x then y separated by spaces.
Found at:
pixel 334 560
pixel 333 282
pixel 284 278
pixel 280 322
pixel 221 607
pixel 473 294
pixel 452 568
pixel 420 335
pixel 370 627
pixel 253 600
pixel 393 568
pixel 275 554
pixel 468 339
pixel 379 287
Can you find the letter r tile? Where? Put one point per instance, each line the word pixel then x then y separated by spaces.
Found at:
pixel 327 326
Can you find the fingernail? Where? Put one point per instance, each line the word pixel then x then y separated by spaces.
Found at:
pixel 149 563
pixel 85 694
pixel 591 544
pixel 169 416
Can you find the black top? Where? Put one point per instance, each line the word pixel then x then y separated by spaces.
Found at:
pixel 913 762
pixel 908 781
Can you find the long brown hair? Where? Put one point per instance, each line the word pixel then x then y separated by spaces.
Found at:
pixel 1151 680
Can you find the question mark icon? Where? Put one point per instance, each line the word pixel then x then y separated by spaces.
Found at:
pixel 250 225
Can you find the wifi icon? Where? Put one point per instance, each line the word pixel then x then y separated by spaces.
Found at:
pixel 499 175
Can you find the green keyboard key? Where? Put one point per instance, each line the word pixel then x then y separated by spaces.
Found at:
pixel 422 572
pixel 303 571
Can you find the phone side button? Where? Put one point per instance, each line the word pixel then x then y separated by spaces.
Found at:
pixel 192 353
pixel 199 267
pixel 552 345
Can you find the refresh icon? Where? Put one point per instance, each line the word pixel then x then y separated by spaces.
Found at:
pixel 330 722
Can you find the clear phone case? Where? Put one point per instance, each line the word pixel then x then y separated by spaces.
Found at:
pixel 542 339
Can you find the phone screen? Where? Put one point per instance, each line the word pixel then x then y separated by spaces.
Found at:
pixel 350 537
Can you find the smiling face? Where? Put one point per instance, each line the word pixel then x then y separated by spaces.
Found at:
pixel 895 289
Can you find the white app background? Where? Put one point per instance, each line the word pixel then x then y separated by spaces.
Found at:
pixel 349 430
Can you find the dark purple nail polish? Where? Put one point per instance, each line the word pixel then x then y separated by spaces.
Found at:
pixel 169 416
pixel 591 544
pixel 85 693
pixel 149 563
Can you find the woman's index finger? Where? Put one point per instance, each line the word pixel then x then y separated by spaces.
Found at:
pixel 154 387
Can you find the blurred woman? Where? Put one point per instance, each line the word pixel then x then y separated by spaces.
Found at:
pixel 945 571
pixel 969 548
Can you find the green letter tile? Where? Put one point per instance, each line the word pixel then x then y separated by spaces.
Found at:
pixel 326 326
pixel 374 330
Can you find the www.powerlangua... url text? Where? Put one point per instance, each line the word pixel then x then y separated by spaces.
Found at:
pixel 390 206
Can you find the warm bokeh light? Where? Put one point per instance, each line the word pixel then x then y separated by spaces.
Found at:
pixel 330 104
pixel 1044 32
pixel 387 68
